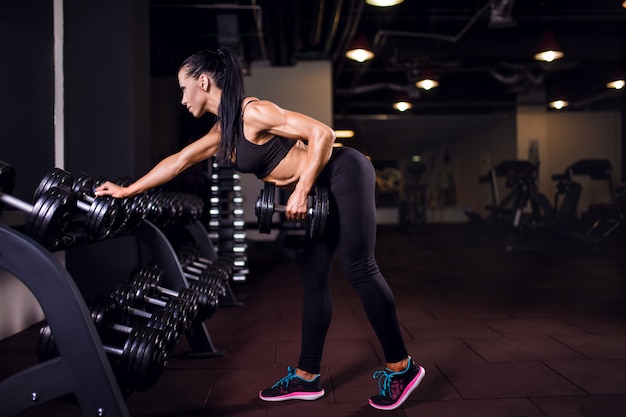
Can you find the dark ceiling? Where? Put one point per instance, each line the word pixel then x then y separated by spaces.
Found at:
pixel 481 50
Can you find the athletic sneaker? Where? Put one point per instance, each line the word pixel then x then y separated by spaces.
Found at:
pixel 395 387
pixel 293 387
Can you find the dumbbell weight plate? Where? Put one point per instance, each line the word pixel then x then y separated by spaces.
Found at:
pixel 102 219
pixel 56 177
pixel 51 215
pixel 320 206
pixel 144 358
pixel 83 185
pixel 264 207
pixel 45 348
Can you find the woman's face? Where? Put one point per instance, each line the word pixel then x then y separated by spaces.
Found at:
pixel 194 96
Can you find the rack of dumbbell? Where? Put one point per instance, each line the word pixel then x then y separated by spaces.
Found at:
pixel 103 348
pixel 226 221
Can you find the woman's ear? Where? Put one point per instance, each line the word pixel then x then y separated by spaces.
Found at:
pixel 204 82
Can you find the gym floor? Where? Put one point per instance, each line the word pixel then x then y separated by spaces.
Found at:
pixel 500 334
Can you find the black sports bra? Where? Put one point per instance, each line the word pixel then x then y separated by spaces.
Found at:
pixel 260 160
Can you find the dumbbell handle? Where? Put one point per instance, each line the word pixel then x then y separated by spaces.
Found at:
pixel 83 205
pixel 113 350
pixel 281 208
pixel 15 202
pixel 137 312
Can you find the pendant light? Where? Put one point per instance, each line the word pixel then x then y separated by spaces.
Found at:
pixel 360 49
pixel 549 48
pixel 427 79
pixel 383 3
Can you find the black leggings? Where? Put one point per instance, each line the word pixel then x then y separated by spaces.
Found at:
pixel 351 228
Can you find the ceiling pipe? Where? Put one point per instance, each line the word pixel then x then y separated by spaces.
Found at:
pixel 315 35
pixel 382 35
pixel 372 87
pixel 333 28
pixel 595 98
pixel 349 31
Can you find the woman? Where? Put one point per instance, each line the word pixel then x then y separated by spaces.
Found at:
pixel 296 151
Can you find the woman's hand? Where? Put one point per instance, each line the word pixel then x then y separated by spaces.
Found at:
pixel 297 206
pixel 112 189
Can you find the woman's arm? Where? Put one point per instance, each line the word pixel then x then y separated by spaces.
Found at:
pixel 168 168
pixel 265 116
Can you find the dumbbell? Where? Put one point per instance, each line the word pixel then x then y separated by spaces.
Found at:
pixel 317 210
pixel 194 265
pixel 108 314
pixel 133 208
pixel 129 296
pixel 213 277
pixel 168 208
pixel 101 213
pixel 142 356
pixel 198 293
pixel 190 254
pixel 50 215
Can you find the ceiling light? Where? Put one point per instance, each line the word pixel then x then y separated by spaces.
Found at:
pixel 426 78
pixel 383 3
pixel 403 102
pixel 549 49
pixel 558 104
pixel 359 49
pixel 617 84
pixel 344 134
pixel 427 84
pixel 402 105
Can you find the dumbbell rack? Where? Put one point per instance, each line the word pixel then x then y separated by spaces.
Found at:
pixel 226 222
pixel 198 335
pixel 82 367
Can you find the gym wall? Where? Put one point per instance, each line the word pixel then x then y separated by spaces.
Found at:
pixel 26 126
pixel 105 102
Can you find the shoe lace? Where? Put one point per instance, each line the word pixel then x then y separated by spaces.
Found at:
pixel 291 374
pixel 384 382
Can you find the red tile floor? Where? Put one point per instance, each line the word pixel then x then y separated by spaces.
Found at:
pixel 500 335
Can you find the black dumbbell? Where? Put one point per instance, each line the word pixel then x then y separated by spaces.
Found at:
pixel 50 215
pixel 168 208
pixel 200 293
pixel 191 262
pixel 132 209
pixel 131 296
pixel 108 314
pixel 141 358
pixel 214 278
pixel 317 211
pixel 190 254
pixel 147 279
pixel 101 213
pixel 135 207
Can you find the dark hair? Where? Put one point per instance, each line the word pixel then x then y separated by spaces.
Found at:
pixel 224 68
